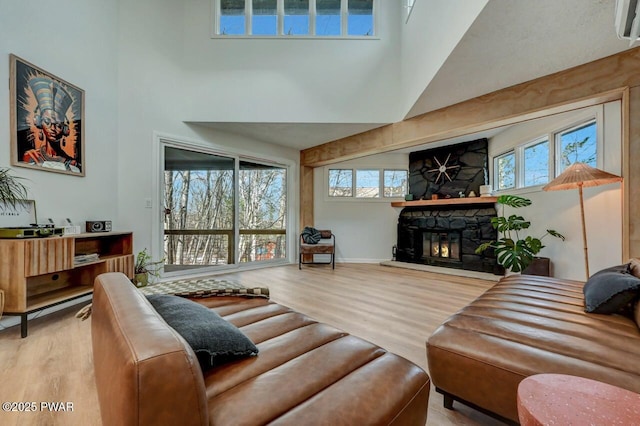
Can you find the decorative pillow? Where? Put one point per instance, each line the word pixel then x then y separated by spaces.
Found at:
pixel 214 340
pixel 311 235
pixel 611 290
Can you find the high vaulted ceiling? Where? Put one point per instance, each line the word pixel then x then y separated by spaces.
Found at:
pixel 510 42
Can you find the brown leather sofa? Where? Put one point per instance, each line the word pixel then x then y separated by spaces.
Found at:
pixel 526 325
pixel 306 373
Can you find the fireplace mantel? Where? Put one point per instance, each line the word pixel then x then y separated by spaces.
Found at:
pixel 446 202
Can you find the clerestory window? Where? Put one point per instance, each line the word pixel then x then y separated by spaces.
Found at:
pixel 367 183
pixel 534 163
pixel 299 18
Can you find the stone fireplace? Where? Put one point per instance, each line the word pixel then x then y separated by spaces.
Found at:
pixel 445 225
pixel 448 235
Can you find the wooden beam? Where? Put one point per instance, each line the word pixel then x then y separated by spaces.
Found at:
pixel 306 197
pixel 596 82
pixel 631 172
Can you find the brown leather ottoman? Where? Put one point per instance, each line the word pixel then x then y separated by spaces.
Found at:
pixel 527 325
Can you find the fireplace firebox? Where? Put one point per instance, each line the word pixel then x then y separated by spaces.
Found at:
pixel 438 245
pixel 447 236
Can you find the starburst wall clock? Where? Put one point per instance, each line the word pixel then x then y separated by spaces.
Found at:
pixel 448 171
pixel 443 169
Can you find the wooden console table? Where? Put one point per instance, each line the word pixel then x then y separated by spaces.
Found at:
pixel 38 273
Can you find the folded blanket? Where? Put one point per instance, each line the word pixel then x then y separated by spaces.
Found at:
pixel 204 287
pixel 199 287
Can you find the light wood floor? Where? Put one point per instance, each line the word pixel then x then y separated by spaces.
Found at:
pixel 394 308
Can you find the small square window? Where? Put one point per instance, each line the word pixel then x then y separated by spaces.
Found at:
pixel 578 145
pixel 395 183
pixel 232 17
pixel 265 17
pixel 368 183
pixel 340 183
pixel 536 164
pixel 360 17
pixel 328 21
pixel 505 166
pixel 296 17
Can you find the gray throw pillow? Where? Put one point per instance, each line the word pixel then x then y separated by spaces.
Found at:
pixel 611 291
pixel 213 339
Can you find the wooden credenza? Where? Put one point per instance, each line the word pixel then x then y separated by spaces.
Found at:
pixel 37 273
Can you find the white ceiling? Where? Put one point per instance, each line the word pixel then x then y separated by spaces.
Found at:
pixel 511 41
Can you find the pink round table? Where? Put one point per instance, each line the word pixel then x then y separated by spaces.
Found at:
pixel 558 399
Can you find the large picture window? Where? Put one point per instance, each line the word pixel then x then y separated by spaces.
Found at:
pixel 222 210
pixel 301 18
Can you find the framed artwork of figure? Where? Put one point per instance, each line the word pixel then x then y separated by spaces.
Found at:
pixel 47 120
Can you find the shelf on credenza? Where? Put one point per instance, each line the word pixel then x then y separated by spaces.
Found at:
pixel 445 202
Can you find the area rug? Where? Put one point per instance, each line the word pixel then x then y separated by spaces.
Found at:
pixel 200 287
pixel 204 287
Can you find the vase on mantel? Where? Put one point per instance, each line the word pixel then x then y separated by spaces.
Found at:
pixel 485 190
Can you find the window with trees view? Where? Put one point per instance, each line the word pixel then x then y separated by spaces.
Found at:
pixel 315 18
pixel 205 225
pixel 577 144
pixel 536 163
pixel 505 166
pixel 532 163
pixel 367 183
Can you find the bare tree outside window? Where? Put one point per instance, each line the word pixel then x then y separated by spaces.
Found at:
pixel 506 166
pixel 536 164
pixel 200 210
pixel 340 183
pixel 579 144
pixel 263 211
pixel 395 183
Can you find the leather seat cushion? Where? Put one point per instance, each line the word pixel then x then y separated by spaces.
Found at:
pixel 319 372
pixel 526 325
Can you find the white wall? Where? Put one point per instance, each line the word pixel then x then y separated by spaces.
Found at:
pixel 290 80
pixel 434 29
pixel 74 40
pixel 153 100
pixel 365 230
pixel 560 210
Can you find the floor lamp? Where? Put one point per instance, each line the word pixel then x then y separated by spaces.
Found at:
pixel 580 175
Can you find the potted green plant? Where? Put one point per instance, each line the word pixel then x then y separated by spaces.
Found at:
pixel 511 251
pixel 11 189
pixel 145 267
